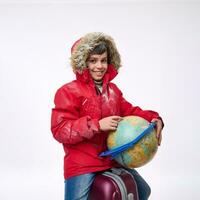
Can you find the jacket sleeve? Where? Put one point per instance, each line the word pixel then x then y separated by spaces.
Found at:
pixel 66 125
pixel 128 109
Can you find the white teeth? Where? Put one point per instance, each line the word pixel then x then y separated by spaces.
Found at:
pixel 99 72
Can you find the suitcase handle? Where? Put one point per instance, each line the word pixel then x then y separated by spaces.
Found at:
pixel 118 172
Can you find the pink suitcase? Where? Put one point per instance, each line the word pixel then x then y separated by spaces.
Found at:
pixel 116 184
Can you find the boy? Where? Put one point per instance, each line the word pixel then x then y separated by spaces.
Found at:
pixel 86 109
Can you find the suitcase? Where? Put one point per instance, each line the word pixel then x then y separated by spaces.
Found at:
pixel 116 184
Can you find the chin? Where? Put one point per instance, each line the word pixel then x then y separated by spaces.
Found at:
pixel 97 78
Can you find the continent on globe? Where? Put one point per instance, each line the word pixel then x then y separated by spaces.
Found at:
pixel 129 129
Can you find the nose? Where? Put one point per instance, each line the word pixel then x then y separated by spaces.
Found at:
pixel 99 65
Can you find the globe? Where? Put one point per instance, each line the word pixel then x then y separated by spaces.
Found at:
pixel 140 153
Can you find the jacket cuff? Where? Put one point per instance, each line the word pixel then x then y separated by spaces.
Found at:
pixel 94 125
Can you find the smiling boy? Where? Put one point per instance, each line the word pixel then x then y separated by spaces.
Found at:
pixel 86 109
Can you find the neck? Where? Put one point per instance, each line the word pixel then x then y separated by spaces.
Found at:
pixel 99 82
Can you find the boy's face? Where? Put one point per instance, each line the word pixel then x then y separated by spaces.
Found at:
pixel 97 65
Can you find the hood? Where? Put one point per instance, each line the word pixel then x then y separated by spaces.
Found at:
pixel 82 48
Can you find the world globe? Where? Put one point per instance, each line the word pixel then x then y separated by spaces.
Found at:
pixel 143 151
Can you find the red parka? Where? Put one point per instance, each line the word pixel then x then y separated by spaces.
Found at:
pixel 75 121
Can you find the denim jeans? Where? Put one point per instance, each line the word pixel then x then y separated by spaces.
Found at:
pixel 78 187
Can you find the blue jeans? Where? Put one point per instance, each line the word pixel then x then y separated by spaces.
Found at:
pixel 78 187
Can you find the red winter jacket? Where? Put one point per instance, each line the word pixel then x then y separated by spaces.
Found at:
pixel 75 121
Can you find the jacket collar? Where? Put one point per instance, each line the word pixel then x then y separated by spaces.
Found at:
pixel 85 76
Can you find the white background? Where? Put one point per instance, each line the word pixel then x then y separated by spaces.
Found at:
pixel 159 42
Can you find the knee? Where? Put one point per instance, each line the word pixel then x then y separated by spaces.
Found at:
pixel 145 193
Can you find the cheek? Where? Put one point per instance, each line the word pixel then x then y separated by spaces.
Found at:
pixel 106 67
pixel 90 67
pixel 91 71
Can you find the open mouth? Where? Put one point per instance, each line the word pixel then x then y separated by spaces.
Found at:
pixel 99 73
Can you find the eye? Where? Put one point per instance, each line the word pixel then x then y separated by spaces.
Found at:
pixel 93 61
pixel 104 60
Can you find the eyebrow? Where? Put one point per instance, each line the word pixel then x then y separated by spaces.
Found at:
pixel 93 56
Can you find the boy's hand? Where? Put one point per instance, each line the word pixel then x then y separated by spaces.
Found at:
pixel 109 123
pixel 159 126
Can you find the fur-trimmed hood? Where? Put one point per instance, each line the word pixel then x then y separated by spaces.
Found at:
pixel 82 48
